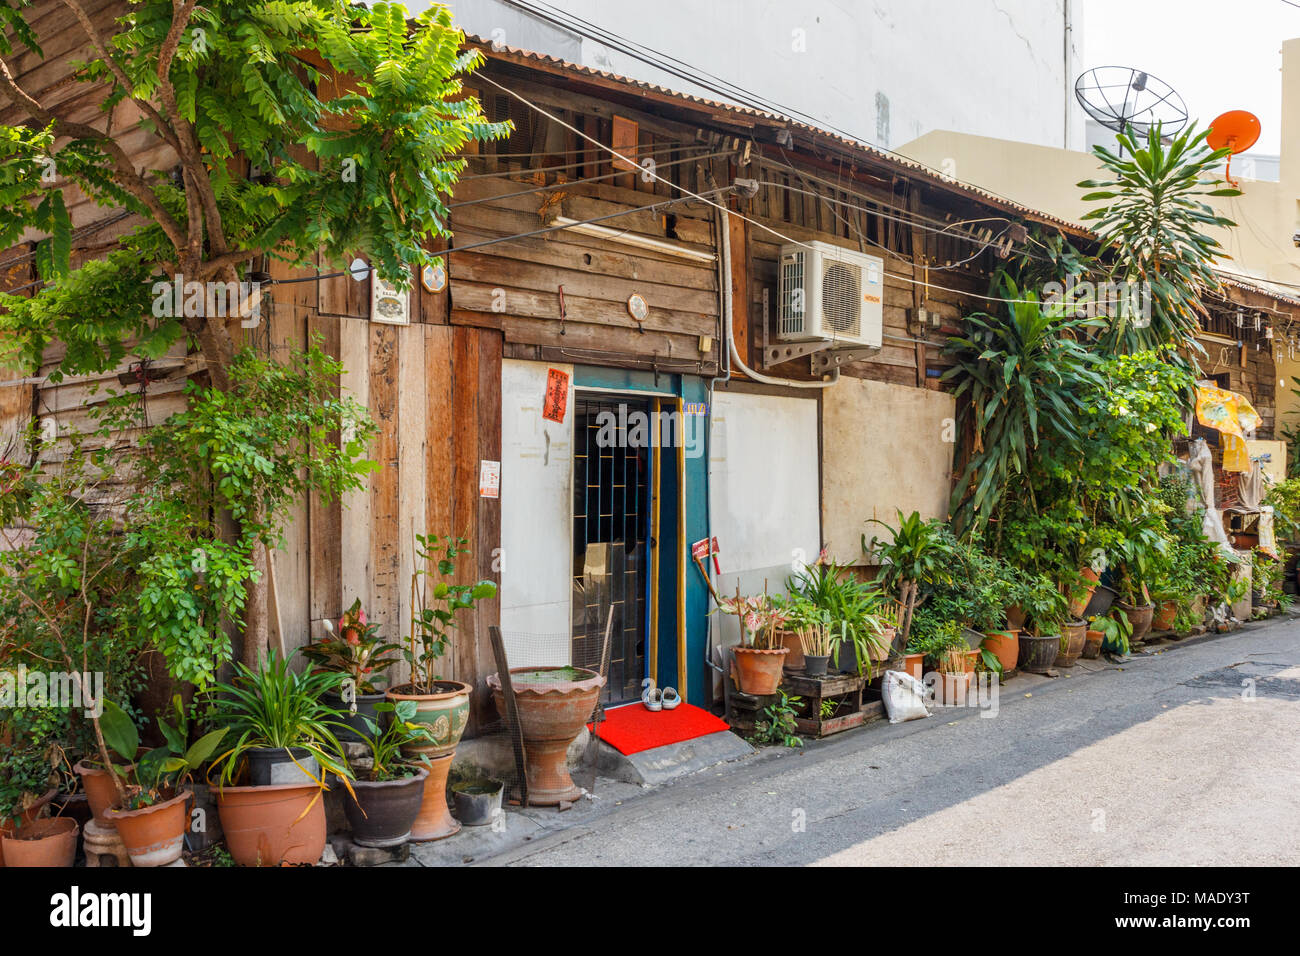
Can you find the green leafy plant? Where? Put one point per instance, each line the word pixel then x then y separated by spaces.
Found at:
pixel 158 773
pixel 1116 631
pixel 778 723
pixel 385 745
pixel 918 554
pixel 1153 225
pixel 355 650
pixel 434 609
pixel 275 707
pixel 849 608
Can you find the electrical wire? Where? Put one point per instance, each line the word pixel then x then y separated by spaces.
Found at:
pixel 753 222
pixel 643 155
pixel 692 74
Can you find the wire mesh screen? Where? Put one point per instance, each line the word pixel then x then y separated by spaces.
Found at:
pixel 611 524
pixel 507 742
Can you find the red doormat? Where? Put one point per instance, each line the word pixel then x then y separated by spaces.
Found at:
pixel 632 729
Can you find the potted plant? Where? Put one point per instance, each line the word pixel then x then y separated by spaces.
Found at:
pixel 356 651
pixel 387 791
pixel 918 554
pixel 945 653
pixel 27 785
pixel 1045 608
pixel 47 842
pixel 1115 632
pixel 758 660
pixel 280 732
pixel 859 615
pixel 442 704
pixel 813 626
pixel 154 814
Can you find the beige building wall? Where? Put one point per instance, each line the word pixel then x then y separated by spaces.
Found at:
pixel 1263 245
pixel 884 447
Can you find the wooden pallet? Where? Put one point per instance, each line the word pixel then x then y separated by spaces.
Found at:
pixel 843 690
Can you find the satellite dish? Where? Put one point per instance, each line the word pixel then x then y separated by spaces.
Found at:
pixel 1236 130
pixel 1123 97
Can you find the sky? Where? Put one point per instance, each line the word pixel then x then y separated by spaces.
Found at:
pixel 1218 54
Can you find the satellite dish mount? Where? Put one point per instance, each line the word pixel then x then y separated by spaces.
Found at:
pixel 1125 98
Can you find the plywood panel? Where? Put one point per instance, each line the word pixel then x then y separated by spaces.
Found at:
pixel 355 559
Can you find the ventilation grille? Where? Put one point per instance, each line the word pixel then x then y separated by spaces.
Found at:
pixel 794 307
pixel 841 299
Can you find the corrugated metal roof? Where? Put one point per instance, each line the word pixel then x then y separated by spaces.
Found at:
pixel 891 161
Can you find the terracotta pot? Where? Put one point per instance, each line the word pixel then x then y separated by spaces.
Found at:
pixel 99 790
pixel 1079 603
pixel 914 664
pixel 972 657
pixel 271 826
pixel 793 650
pixel 552 712
pixel 885 646
pixel 1092 645
pixel 434 821
pixel 48 842
pixel 384 811
pixel 1005 646
pixel 757 672
pixel 26 816
pixel 1139 618
pixel 1164 618
pixel 446 712
pixel 154 836
pixel 1038 654
pixel 1073 637
pixel 951 689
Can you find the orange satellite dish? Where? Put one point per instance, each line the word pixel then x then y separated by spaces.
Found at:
pixel 1236 130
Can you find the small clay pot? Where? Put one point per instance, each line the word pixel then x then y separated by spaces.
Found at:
pixel 758 672
pixel 1092 645
pixel 98 784
pixel 793 650
pixel 952 689
pixel 1073 637
pixel 914 664
pixel 384 810
pixel 1140 618
pixel 1164 617
pixel 1005 646
pixel 26 816
pixel 48 842
pixel 154 835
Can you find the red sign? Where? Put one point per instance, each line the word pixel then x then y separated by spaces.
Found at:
pixel 704 548
pixel 556 402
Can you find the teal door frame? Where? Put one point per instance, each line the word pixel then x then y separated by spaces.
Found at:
pixel 684 518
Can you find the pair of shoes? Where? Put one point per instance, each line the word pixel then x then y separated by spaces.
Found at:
pixel 655 699
pixel 651 697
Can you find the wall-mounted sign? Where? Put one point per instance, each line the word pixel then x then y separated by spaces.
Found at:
pixel 556 402
pixel 489 479
pixel 637 308
pixel 433 278
pixel 388 303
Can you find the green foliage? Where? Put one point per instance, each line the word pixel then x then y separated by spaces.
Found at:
pixel 274 706
pixel 848 607
pixel 27 771
pixel 934 636
pixel 1152 225
pixel 277 434
pixel 434 608
pixel 1116 631
pixel 385 745
pixel 1023 376
pixel 918 551
pixel 356 650
pixel 1284 499
pixel 778 726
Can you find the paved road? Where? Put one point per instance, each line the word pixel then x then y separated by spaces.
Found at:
pixel 1191 756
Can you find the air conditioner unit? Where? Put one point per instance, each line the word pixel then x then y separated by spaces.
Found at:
pixel 830 294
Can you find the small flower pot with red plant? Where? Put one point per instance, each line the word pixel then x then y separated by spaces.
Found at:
pixel 356 651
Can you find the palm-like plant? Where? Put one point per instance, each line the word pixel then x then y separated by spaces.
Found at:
pixel 1024 374
pixel 1153 222
pixel 274 706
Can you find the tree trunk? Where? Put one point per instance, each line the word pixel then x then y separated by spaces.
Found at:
pixel 256 630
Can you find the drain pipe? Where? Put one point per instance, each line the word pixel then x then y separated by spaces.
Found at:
pixel 733 356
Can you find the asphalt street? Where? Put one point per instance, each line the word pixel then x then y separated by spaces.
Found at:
pixel 1190 755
